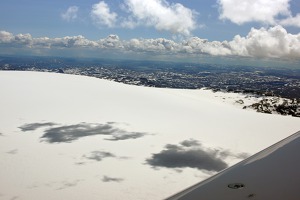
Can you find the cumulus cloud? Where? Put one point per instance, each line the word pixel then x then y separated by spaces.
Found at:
pixel 67 42
pixel 242 11
pixel 6 37
pixel 291 21
pixel 70 14
pixel 273 42
pixel 102 15
pixel 197 45
pixel 161 15
pixel 274 12
pixel 23 39
pixel 160 45
pixel 111 42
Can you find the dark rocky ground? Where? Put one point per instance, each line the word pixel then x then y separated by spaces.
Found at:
pixel 277 105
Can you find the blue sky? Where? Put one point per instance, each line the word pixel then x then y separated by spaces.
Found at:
pixel 44 18
pixel 239 28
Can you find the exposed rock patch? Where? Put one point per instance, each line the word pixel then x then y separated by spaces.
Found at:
pixel 277 105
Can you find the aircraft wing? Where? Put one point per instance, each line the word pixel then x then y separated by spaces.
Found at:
pixel 272 174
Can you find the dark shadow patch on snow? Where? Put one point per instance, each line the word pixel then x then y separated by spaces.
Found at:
pixel 227 153
pixel 14 198
pixel 99 155
pixel 73 132
pixel 69 133
pixel 13 152
pixel 80 163
pixel 111 179
pixel 126 136
pixel 242 155
pixel 191 153
pixel 68 184
pixel 34 126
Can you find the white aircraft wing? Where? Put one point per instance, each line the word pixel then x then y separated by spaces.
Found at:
pixel 272 174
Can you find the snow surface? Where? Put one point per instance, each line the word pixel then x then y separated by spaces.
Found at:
pixel 75 137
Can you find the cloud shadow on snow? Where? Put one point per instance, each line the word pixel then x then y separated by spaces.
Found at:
pixel 69 133
pixel 13 152
pixel 111 179
pixel 99 155
pixel 68 184
pixel 126 136
pixel 34 126
pixel 14 198
pixel 191 153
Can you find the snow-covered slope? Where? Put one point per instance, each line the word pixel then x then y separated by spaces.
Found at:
pixel 74 137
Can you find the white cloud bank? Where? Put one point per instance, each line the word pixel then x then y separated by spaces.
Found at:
pixel 272 12
pixel 274 42
pixel 70 14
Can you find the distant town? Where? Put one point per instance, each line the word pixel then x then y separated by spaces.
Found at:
pixel 262 81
